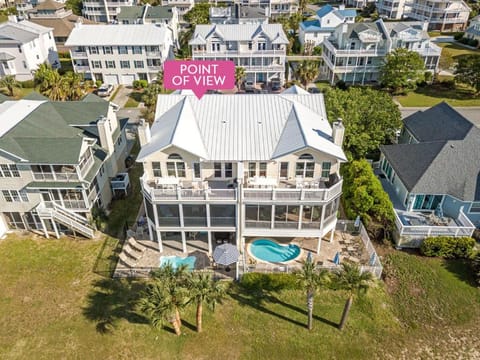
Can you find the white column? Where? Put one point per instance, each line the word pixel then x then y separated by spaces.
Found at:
pixel 184 242
pixel 160 242
pixel 44 227
pixel 55 229
pixel 319 245
pixel 209 237
pixel 300 217
pixel 332 233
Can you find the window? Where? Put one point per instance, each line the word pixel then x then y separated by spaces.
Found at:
pixel 96 64
pixel 15 196
pixel 250 45
pixel 252 169
pixel 20 49
pixel 124 64
pixel 284 170
pixel 9 170
pixel 215 46
pixel 262 46
pixel 263 169
pixel 136 50
pixel 14 220
pixel 176 167
pixel 352 46
pixel 110 64
pixel 107 50
pixel 138 64
pixel 228 170
pixel 475 207
pixel 122 50
pixel 326 169
pixel 305 166
pixel 262 214
pixel 93 49
pixel 217 167
pixel 196 170
pixel 157 171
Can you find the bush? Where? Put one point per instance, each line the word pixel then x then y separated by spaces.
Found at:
pixel 98 83
pixel 457 36
pixel 447 84
pixel 27 84
pixel 476 266
pixel 269 282
pixel 342 85
pixel 140 84
pixel 448 247
pixel 473 42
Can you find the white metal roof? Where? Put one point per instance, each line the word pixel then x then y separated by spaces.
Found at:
pixel 240 32
pixel 241 127
pixel 295 89
pixel 128 35
pixel 12 112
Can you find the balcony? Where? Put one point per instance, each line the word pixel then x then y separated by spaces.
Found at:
pixel 353 52
pixel 81 67
pixel 237 53
pixel 38 176
pixel 79 54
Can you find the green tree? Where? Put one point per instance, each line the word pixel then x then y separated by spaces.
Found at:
pixel 354 282
pixel 10 83
pixel 402 70
pixel 239 76
pixel 43 76
pixel 76 88
pixel 199 14
pixel 203 289
pixel 446 59
pixel 307 71
pixel 310 279
pixel 75 5
pixel 468 72
pixel 370 117
pixel 58 87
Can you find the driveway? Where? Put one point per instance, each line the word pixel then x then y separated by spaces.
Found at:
pixel 121 97
pixel 133 114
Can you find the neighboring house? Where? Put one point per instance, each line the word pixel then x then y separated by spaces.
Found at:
pixel 432 176
pixel 56 159
pixel 183 6
pixel 146 14
pixel 450 15
pixel 274 8
pixel 473 31
pixel 260 49
pixel 122 54
pixel 358 4
pixel 327 19
pixel 238 14
pixel 54 15
pixel 235 166
pixel 104 11
pixel 23 46
pixel 355 53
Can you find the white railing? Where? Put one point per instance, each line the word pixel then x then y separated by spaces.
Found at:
pixel 466 228
pixel 208 53
pixel 354 52
pixel 55 176
pixel 281 194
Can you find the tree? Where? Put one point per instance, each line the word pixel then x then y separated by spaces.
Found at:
pixel 307 71
pixel 353 281
pixel 42 76
pixel 311 280
pixel 58 87
pixel 203 289
pixel 446 60
pixel 402 70
pixel 239 76
pixel 10 83
pixel 468 72
pixel 199 14
pixel 302 6
pixel 370 117
pixel 75 89
pixel 75 5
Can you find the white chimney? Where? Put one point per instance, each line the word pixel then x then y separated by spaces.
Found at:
pixel 12 18
pixel 105 134
pixel 144 133
pixel 338 132
pixel 341 7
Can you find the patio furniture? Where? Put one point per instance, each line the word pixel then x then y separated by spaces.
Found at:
pixel 262 181
pixel 131 253
pixel 167 182
pixel 134 244
pixel 126 260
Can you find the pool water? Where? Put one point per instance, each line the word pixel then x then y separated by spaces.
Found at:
pixel 268 250
pixel 176 261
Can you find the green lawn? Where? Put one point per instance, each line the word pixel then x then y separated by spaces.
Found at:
pixel 458 50
pixel 134 99
pixel 52 306
pixel 431 95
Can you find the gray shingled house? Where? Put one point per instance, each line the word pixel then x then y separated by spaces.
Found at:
pixel 433 175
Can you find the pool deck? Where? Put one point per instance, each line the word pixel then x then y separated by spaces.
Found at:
pixel 350 248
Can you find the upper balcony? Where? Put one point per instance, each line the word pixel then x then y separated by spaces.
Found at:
pixel 230 53
pixel 330 45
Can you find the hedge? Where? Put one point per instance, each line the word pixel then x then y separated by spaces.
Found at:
pixel 269 282
pixel 448 247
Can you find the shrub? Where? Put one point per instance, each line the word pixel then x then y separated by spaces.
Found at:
pixel 98 83
pixel 27 84
pixel 269 282
pixel 476 266
pixel 447 84
pixel 140 84
pixel 448 247
pixel 458 35
pixel 473 42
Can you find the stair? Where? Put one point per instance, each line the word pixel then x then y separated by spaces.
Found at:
pixel 53 211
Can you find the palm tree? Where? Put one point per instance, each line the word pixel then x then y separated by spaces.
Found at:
pixel 160 302
pixel 239 76
pixel 351 279
pixel 58 87
pixel 175 281
pixel 307 71
pixel 311 280
pixel 75 89
pixel 10 83
pixel 204 289
pixel 42 76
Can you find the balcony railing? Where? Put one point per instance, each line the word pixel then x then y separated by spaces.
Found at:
pixel 77 54
pixel 81 67
pixel 354 52
pixel 208 53
pixel 55 176
pixel 281 194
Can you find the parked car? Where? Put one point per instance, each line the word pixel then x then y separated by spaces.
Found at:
pixel 276 85
pixel 249 87
pixel 105 90
pixel 314 90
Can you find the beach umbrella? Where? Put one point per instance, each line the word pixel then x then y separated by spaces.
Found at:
pixel 309 257
pixel 373 259
pixel 357 222
pixel 225 254
pixel 336 259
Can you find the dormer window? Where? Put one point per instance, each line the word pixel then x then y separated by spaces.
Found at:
pixel 215 46
pixel 305 166
pixel 176 166
pixel 262 46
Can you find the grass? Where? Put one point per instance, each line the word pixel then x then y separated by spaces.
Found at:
pixel 458 50
pixel 53 305
pixel 134 99
pixel 115 93
pixel 432 95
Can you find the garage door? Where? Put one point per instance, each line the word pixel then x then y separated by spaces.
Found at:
pixel 127 79
pixel 110 79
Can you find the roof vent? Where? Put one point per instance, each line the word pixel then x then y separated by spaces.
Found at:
pixel 259 122
pixel 224 121
pixel 452 146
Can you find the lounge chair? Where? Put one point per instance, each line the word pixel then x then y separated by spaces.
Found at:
pixel 134 244
pixel 125 260
pixel 131 252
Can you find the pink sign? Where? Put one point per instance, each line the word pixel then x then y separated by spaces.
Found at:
pixel 199 75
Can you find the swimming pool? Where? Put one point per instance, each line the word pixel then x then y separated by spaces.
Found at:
pixel 176 261
pixel 268 250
